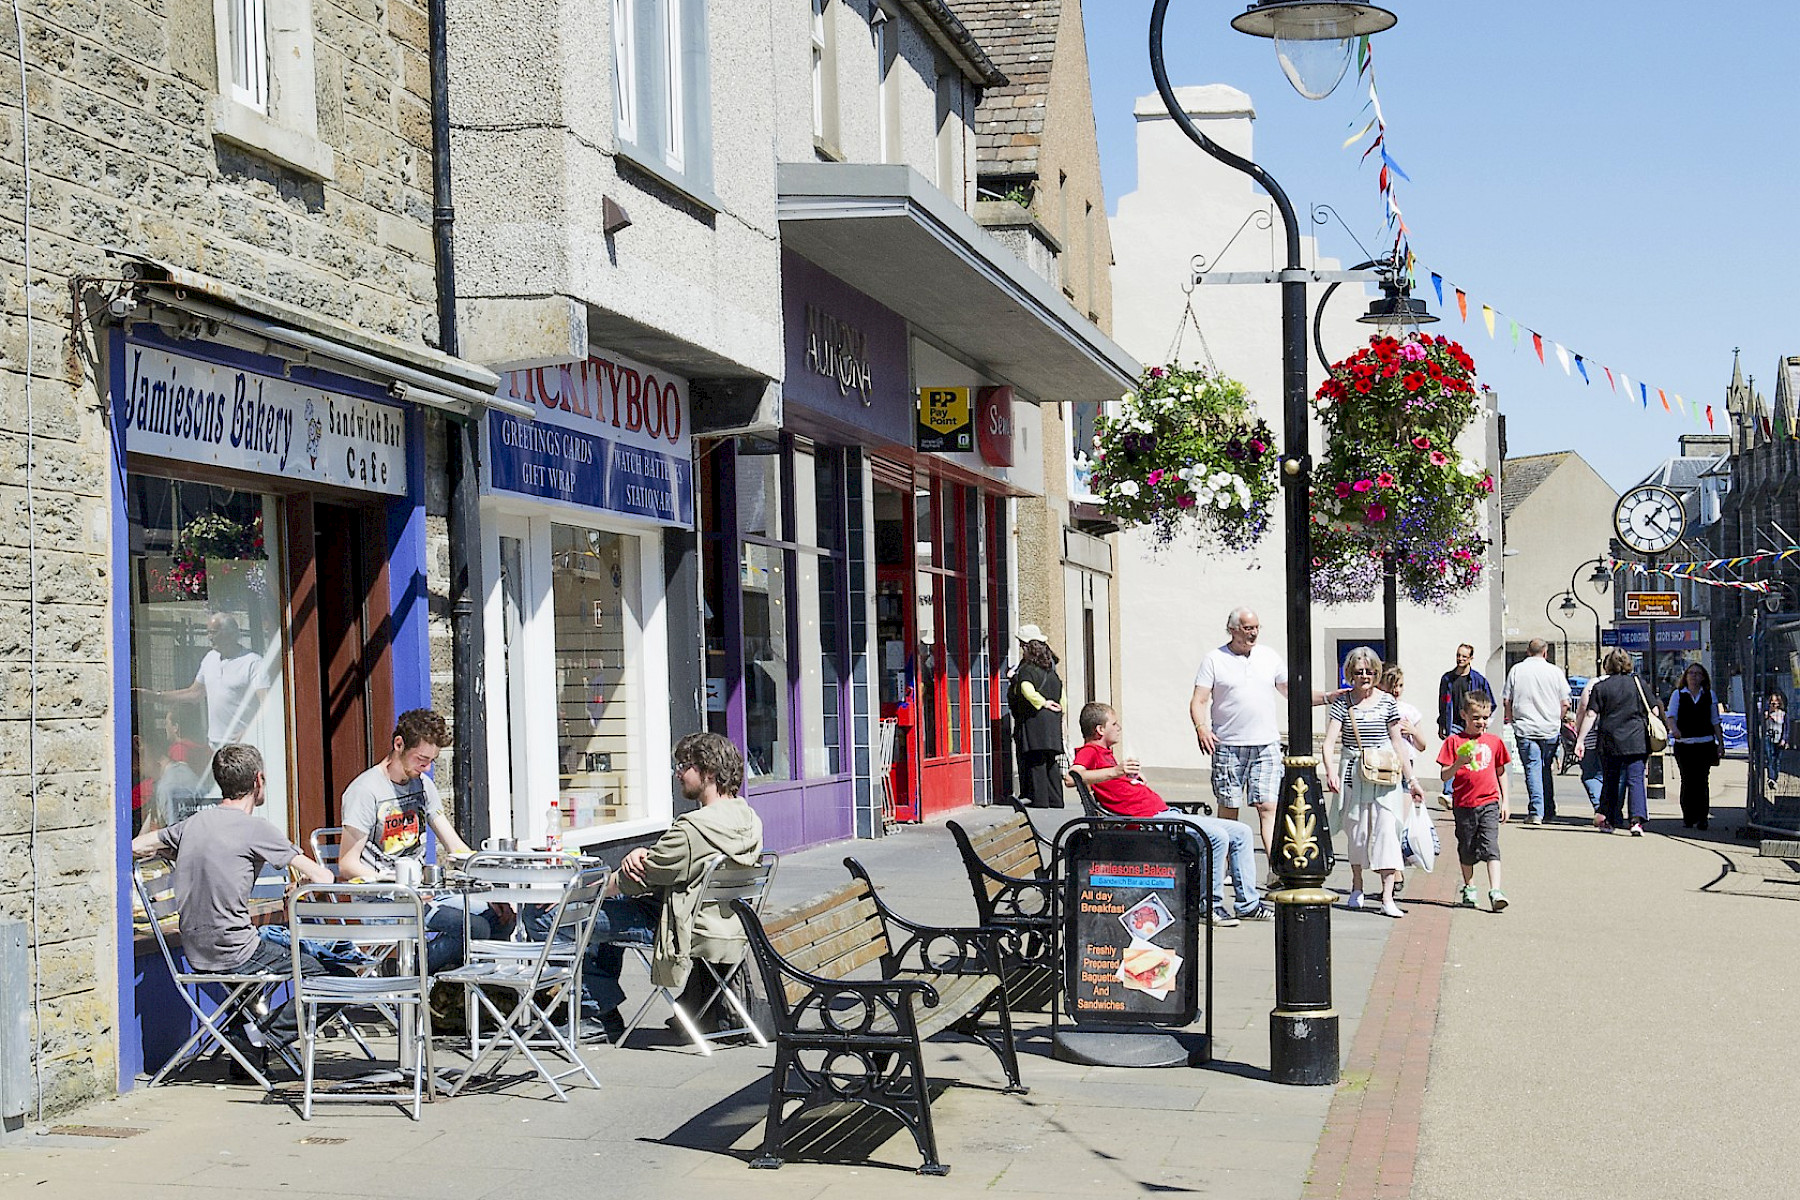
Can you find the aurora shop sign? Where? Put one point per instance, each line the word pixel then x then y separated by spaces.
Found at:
pixel 174 406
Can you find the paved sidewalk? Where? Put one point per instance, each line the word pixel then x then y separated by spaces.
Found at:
pixel 669 1122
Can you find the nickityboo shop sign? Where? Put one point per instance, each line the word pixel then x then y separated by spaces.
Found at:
pixel 610 434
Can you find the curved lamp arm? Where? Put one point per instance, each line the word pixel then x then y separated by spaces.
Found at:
pixel 1290 225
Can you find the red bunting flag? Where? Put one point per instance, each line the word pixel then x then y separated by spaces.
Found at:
pixel 1609 379
pixel 1462 304
pixel 1537 343
pixel 1709 416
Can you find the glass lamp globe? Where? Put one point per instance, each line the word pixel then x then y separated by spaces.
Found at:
pixel 1312 41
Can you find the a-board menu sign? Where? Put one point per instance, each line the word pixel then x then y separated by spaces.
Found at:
pixel 1132 910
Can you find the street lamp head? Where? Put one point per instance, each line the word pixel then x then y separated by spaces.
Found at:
pixel 1312 40
pixel 1601 578
pixel 1568 605
pixel 1397 310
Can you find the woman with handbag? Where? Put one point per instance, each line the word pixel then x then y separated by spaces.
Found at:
pixel 1035 699
pixel 1699 738
pixel 1620 710
pixel 1367 765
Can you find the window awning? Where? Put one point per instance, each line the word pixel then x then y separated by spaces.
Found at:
pixel 887 231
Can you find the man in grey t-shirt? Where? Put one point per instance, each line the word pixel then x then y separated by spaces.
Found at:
pixel 218 853
pixel 1536 696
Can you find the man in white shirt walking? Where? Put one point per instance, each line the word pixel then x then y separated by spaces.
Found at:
pixel 1536 696
pixel 1236 713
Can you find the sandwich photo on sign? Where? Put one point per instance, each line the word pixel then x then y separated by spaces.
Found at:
pixel 1149 969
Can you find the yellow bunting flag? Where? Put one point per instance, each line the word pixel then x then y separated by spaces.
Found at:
pixel 1487 315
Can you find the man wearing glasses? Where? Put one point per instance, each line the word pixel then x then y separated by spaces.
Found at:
pixel 652 899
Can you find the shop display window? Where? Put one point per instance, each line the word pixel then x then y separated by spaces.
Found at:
pixel 593 584
pixel 767 697
pixel 208 648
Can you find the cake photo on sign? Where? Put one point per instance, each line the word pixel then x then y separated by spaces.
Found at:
pixel 1149 969
pixel 1147 918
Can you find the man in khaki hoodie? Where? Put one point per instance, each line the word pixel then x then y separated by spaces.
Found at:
pixel 653 897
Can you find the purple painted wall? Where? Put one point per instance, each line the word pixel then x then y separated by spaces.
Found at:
pixel 826 405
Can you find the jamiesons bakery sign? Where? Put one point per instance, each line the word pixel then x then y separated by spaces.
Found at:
pixel 176 406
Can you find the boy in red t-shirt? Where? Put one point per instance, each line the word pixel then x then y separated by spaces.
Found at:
pixel 1474 763
pixel 1122 792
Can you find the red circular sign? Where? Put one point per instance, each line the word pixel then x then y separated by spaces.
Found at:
pixel 994 425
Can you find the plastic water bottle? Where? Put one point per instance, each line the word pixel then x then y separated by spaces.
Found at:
pixel 553 829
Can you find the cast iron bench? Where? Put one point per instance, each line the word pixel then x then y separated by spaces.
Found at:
pixel 843 1039
pixel 1016 893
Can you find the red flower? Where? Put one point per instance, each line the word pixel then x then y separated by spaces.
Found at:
pixel 1376 512
pixel 1385 480
pixel 1413 381
pixel 1421 442
pixel 1343 491
pixel 1437 459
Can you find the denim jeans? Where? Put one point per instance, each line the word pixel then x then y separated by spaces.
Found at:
pixel 621 920
pixel 1590 777
pixel 274 956
pixel 1622 772
pixel 445 949
pixel 1537 758
pixel 1229 840
pixel 1772 760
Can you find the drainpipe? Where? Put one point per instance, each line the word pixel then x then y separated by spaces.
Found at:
pixel 462 443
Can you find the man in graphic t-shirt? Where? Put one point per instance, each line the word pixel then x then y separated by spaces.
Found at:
pixel 386 811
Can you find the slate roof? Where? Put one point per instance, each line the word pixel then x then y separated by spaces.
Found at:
pixel 1519 477
pixel 1020 37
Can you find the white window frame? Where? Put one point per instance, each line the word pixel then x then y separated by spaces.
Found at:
pixel 818 68
pixel 267 89
pixel 880 24
pixel 674 83
pixel 625 73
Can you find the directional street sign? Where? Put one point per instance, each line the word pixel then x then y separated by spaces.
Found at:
pixel 1652 606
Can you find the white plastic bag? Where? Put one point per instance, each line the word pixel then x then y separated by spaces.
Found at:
pixel 1419 845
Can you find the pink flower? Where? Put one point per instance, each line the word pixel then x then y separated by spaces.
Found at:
pixel 1257 445
pixel 1361 485
pixel 1155 477
pixel 1376 512
pixel 1185 500
pixel 1421 442
pixel 1487 483
pixel 1384 480
pixel 1437 459
pixel 1157 372
pixel 1412 352
pixel 1343 491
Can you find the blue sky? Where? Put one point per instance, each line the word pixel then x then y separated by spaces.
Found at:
pixel 1618 177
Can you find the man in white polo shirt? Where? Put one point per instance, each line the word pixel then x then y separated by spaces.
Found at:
pixel 1537 700
pixel 1236 712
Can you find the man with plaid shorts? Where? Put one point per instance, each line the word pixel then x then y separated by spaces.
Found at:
pixel 1236 712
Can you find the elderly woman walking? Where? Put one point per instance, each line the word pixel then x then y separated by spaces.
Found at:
pixel 1366 728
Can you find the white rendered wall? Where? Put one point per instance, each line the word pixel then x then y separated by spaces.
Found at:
pixel 1174 601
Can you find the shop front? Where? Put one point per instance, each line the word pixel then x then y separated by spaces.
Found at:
pixel 853 584
pixel 269 587
pixel 575 509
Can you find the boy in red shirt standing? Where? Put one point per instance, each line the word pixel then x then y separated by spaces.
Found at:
pixel 1474 763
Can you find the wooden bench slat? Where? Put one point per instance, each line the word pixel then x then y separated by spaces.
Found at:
pixel 824 925
pixel 833 958
pixel 800 913
pixel 837 969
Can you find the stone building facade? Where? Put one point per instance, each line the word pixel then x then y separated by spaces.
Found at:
pixel 176 196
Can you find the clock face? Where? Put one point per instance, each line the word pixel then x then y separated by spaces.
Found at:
pixel 1649 519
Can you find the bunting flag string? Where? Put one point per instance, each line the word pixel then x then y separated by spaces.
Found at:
pixel 1672 402
pixel 1643 570
pixel 1390 169
pixel 1702 570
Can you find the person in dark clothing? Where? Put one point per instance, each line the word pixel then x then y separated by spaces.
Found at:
pixel 1698 737
pixel 1454 685
pixel 1035 698
pixel 1619 708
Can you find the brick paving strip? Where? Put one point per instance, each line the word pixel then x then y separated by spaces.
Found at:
pixel 1371 1136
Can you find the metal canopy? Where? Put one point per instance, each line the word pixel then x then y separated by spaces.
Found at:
pixel 888 232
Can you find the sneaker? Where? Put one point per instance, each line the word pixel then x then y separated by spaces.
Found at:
pixel 1262 912
pixel 606 1027
pixel 1467 899
pixel 1637 829
pixel 1220 920
pixel 1602 825
pixel 1273 883
pixel 1534 820
pixel 1355 900
pixel 1497 898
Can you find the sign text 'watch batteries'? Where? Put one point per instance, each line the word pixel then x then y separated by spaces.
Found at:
pixel 178 407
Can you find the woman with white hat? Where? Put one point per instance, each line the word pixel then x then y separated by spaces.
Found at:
pixel 1035 698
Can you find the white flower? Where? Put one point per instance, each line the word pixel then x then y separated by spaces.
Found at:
pixel 1224 499
pixel 1128 487
pixel 1096 441
pixel 1127 397
pixel 1468 468
pixel 1203 495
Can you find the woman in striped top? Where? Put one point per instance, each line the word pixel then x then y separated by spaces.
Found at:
pixel 1372 815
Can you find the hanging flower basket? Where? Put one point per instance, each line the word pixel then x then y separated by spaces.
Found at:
pixel 1185 455
pixel 1391 479
pixel 215 536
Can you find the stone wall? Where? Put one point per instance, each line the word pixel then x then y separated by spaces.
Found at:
pixel 121 101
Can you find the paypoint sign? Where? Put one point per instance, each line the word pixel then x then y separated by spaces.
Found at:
pixel 946 424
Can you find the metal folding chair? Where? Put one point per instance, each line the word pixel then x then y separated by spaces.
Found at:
pixel 154 880
pixel 538 985
pixel 524 879
pixel 720 883
pixel 368 915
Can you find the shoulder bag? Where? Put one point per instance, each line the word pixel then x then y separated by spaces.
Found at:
pixel 1378 765
pixel 1658 732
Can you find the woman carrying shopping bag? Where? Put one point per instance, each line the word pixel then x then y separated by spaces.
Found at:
pixel 1367 765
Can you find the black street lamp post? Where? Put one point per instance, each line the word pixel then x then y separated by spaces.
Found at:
pixel 1312 42
pixel 1602 579
pixel 1559 625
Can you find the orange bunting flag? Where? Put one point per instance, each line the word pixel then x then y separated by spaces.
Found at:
pixel 1537 343
pixel 1663 398
pixel 1462 304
